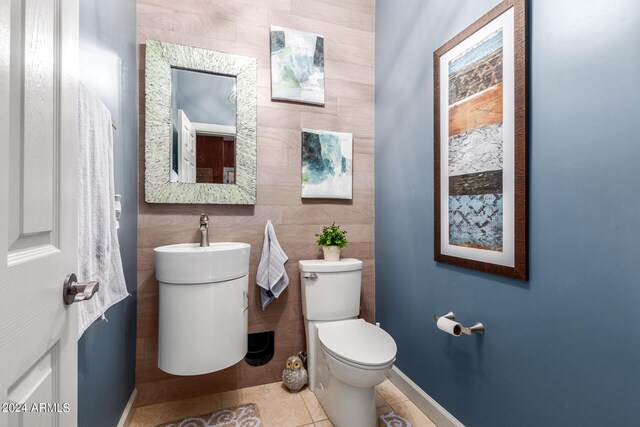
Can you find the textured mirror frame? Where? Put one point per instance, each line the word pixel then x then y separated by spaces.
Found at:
pixel 160 58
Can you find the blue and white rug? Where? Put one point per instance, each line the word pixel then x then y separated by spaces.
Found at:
pixel 238 416
pixel 392 419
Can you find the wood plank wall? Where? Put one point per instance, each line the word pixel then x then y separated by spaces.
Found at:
pixel 242 27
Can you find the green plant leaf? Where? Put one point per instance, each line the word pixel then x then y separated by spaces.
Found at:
pixel 332 235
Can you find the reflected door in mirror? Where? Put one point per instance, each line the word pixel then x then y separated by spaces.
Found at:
pixel 186 149
pixel 216 159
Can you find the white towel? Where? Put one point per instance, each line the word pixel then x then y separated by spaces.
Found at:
pixel 272 276
pixel 98 246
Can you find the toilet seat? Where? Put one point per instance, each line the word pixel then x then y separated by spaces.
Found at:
pixel 358 343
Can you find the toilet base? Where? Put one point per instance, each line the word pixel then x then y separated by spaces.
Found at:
pixel 346 405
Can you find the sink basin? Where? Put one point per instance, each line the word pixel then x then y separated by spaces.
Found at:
pixel 188 263
pixel 203 303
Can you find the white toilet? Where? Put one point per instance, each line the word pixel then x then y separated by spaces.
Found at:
pixel 347 357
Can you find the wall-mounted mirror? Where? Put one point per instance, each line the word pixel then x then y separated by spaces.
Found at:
pixel 200 111
pixel 203 123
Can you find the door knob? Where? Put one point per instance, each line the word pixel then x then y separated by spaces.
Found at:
pixel 74 291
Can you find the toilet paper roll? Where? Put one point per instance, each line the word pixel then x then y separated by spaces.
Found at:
pixel 449 326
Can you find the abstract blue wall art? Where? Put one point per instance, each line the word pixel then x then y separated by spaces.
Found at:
pixel 480 145
pixel 297 66
pixel 475 150
pixel 327 164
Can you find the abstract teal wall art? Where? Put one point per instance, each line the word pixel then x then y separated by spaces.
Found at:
pixel 297 66
pixel 327 164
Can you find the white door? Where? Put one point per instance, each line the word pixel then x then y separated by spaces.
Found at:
pixel 186 148
pixel 38 247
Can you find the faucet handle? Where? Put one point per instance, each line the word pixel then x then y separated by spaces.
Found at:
pixel 204 230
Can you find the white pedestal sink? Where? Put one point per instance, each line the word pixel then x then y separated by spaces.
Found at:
pixel 203 306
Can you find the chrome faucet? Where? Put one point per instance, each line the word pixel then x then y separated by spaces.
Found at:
pixel 204 230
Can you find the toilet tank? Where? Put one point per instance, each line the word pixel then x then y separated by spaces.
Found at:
pixel 330 289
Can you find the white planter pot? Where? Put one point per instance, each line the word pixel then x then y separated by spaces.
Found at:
pixel 331 253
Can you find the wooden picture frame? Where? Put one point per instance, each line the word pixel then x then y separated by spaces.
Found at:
pixel 480 145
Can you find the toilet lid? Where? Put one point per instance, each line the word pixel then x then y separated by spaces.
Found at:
pixel 358 341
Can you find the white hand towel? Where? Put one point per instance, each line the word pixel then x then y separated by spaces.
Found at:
pixel 272 276
pixel 98 246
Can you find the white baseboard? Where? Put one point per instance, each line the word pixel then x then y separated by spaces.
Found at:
pixel 432 409
pixel 127 414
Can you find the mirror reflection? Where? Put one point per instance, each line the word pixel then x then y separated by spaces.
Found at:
pixel 203 123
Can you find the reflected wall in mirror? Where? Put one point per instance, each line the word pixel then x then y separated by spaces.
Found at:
pixel 200 125
pixel 203 124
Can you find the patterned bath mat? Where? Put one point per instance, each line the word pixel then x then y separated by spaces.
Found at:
pixel 392 419
pixel 238 416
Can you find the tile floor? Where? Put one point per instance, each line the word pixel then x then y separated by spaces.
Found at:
pixel 278 407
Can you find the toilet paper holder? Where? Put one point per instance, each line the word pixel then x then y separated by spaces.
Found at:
pixel 478 328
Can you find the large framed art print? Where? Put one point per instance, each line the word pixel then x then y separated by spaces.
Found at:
pixel 480 145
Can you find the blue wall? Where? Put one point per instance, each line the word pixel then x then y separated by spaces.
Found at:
pixel 107 350
pixel 564 348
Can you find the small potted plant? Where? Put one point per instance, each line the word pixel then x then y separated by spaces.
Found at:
pixel 332 240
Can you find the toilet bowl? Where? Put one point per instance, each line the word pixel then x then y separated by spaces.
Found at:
pixel 357 353
pixel 347 357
